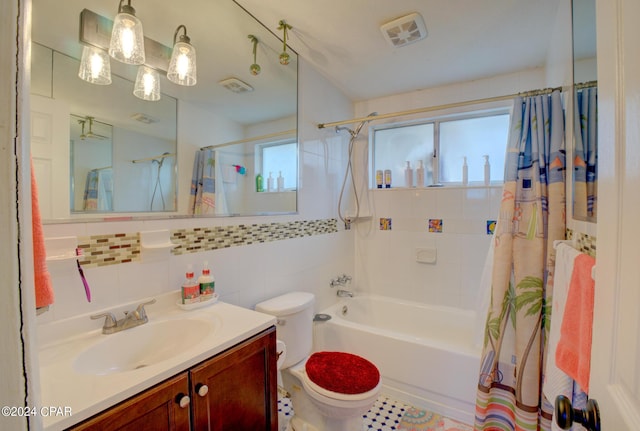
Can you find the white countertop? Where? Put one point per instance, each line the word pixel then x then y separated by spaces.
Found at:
pixel 86 394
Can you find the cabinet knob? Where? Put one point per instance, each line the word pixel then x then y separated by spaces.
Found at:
pixel 183 400
pixel 202 390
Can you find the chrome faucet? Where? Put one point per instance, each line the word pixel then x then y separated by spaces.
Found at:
pixel 344 293
pixel 340 281
pixel 131 319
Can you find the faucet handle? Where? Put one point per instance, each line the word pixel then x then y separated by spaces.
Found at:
pixel 142 314
pixel 109 321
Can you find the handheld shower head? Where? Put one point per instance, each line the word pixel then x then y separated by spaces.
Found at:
pixel 354 133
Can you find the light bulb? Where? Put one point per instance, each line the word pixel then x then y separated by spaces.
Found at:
pixel 127 38
pixel 147 86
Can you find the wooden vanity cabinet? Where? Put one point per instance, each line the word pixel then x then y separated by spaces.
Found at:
pixel 242 384
pixel 155 409
pixel 235 390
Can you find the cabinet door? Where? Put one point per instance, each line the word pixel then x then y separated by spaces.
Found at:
pixel 155 409
pixel 240 392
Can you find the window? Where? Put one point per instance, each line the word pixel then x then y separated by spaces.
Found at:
pixel 279 158
pixel 441 144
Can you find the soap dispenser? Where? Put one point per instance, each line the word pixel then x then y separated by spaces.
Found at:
pixel 487 171
pixel 465 172
pixel 190 287
pixel 280 181
pixel 420 174
pixel 408 175
pixel 270 183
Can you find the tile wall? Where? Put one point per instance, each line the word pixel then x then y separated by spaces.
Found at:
pixel 456 222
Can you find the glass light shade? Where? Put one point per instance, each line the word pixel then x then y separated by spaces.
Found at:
pixel 127 39
pixel 95 66
pixel 182 67
pixel 147 86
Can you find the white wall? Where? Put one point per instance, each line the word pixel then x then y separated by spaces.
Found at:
pixel 244 275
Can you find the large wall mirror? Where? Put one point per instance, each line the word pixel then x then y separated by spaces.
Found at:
pixel 100 152
pixel 585 148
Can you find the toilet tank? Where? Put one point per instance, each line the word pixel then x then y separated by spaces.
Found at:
pixel 294 313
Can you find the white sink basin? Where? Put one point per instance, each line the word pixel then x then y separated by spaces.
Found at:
pixel 144 345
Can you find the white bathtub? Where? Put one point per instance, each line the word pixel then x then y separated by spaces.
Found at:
pixel 426 354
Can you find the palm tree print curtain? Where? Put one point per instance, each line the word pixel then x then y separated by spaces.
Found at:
pixel 532 216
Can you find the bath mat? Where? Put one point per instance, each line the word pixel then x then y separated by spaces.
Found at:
pixel 423 420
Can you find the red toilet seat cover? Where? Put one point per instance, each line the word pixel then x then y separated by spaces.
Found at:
pixel 342 372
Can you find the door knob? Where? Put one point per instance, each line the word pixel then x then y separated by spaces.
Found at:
pixel 566 415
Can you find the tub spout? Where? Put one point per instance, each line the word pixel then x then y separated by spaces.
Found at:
pixel 344 293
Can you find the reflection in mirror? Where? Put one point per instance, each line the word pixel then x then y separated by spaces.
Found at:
pixel 256 176
pixel 228 104
pixel 91 164
pixel 585 150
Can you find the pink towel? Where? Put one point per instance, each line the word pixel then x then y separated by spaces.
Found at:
pixel 42 279
pixel 573 354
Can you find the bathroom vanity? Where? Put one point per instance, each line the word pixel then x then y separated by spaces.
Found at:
pixel 213 368
pixel 233 390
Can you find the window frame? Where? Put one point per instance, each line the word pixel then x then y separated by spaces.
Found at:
pixel 474 111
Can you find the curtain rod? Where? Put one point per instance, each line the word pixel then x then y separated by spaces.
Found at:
pixel 255 138
pixel 588 84
pixel 150 159
pixel 441 107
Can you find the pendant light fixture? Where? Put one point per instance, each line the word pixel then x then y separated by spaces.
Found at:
pixel 147 86
pixel 95 66
pixel 182 67
pixel 284 56
pixel 127 39
pixel 255 67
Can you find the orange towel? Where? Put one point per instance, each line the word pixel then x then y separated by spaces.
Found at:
pixel 573 354
pixel 42 279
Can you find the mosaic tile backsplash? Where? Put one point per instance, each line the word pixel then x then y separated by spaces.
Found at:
pixel 101 250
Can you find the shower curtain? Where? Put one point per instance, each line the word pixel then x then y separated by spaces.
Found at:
pixel 98 190
pixel 532 216
pixel 202 198
pixel 585 153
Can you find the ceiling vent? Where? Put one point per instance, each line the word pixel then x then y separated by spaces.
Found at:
pixel 404 30
pixel 235 85
pixel 143 118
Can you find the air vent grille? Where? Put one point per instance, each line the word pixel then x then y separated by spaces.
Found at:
pixel 235 85
pixel 404 30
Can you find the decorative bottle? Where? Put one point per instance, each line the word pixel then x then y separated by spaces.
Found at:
pixel 420 174
pixel 408 175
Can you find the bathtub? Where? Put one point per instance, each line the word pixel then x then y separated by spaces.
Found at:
pixel 426 354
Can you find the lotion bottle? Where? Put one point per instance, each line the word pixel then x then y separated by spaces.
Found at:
pixel 280 182
pixel 259 183
pixel 487 171
pixel 206 282
pixel 420 174
pixel 190 287
pixel 465 172
pixel 379 176
pixel 270 183
pixel 408 175
pixel 387 178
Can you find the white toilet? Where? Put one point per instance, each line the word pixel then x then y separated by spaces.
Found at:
pixel 330 391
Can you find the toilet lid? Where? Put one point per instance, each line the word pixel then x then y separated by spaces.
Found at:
pixel 342 372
